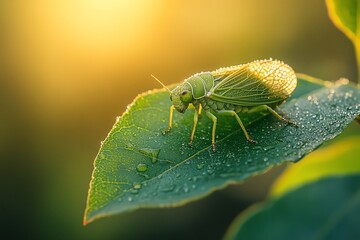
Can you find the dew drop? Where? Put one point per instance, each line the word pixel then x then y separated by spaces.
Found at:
pixel 134 191
pixel 151 153
pixel 200 166
pixel 210 171
pixel 144 175
pixel 267 148
pixel 101 156
pixel 168 188
pixel 141 167
pixel 129 146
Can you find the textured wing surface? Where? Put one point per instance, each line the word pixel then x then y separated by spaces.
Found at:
pixel 255 83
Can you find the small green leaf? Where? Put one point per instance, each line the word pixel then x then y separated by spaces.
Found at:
pixel 344 15
pixel 138 167
pixel 326 209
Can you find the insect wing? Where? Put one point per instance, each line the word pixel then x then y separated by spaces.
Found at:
pixel 255 83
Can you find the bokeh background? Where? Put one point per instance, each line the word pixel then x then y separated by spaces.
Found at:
pixel 69 67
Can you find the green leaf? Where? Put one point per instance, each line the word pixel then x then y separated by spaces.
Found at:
pixel 326 209
pixel 339 158
pixel 344 15
pixel 138 167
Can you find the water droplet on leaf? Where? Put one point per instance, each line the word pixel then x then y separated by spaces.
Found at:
pixel 141 167
pixel 168 188
pixel 200 166
pixel 129 146
pixel 134 191
pixel 151 153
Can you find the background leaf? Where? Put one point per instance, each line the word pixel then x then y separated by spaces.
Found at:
pixel 340 158
pixel 139 167
pixel 344 15
pixel 326 209
pixel 335 160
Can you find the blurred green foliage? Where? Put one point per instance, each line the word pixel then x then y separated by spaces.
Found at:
pixel 345 16
pixel 339 158
pixel 324 186
pixel 324 209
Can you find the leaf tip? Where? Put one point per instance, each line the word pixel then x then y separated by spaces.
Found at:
pixel 85 219
pixel 338 22
pixel 85 222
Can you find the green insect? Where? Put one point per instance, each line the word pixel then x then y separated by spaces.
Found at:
pixel 247 88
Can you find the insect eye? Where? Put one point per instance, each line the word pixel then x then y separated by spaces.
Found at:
pixel 186 96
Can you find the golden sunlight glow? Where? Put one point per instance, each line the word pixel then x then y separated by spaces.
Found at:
pixel 68 46
pixel 96 25
pixel 62 53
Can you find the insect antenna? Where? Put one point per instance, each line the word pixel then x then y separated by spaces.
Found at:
pixel 160 83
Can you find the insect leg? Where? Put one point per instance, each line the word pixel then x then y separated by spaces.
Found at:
pixel 234 114
pixel 170 119
pixel 279 110
pixel 278 116
pixel 195 123
pixel 214 119
pixel 199 110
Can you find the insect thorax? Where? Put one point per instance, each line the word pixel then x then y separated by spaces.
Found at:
pixel 200 84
